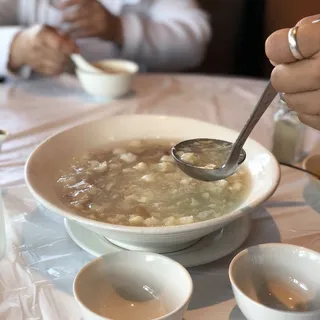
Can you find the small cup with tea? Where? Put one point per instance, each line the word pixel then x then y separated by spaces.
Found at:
pixel 115 80
pixel 277 281
pixel 133 285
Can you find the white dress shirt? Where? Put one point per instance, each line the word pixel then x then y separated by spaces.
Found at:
pixel 166 35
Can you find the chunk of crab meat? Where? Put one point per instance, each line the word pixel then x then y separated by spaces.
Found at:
pixel 189 157
pixel 136 221
pixel 118 151
pixel 186 220
pixel 148 178
pixel 128 157
pixel 141 166
pixel 152 222
pixel 167 159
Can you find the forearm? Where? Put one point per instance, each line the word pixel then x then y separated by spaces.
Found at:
pixel 114 32
pixel 17 53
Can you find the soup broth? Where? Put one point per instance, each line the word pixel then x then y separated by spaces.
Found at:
pixel 111 70
pixel 111 304
pixel 288 295
pixel 205 154
pixel 139 184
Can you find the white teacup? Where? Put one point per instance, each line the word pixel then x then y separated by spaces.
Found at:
pixel 133 285
pixel 277 282
pixel 114 82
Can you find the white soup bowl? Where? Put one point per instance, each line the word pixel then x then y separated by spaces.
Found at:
pixel 44 166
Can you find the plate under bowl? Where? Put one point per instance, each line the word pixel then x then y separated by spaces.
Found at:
pixel 210 248
pixel 44 165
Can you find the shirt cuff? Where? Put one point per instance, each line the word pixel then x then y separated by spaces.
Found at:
pixel 25 72
pixel 7 35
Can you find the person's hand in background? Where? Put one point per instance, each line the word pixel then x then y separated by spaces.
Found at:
pixel 42 48
pixel 298 79
pixel 91 19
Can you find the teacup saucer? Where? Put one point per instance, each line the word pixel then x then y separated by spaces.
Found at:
pixel 210 248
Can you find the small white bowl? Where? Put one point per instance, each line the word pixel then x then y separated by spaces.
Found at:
pixel 134 276
pixel 109 85
pixel 312 164
pixel 3 136
pixel 277 281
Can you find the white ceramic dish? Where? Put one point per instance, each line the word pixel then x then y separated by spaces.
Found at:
pixel 312 164
pixel 270 281
pixel 127 272
pixel 44 165
pixel 209 248
pixel 3 136
pixel 109 85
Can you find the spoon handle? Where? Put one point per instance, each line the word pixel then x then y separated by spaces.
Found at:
pixel 82 64
pixel 262 105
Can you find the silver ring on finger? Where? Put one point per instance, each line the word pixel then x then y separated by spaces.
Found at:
pixel 293 45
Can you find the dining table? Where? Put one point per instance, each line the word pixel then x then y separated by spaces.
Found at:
pixel 41 261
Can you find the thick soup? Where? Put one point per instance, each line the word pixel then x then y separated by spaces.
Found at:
pixel 139 184
pixel 205 154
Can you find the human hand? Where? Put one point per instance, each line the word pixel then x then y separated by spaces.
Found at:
pixel 91 19
pixel 298 79
pixel 43 49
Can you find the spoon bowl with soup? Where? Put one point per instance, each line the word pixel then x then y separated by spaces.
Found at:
pixel 216 159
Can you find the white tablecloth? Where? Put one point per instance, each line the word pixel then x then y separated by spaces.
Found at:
pixel 41 260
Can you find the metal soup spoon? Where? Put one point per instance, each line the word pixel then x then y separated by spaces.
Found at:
pixel 188 153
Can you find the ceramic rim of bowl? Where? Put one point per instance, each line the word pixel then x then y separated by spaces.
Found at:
pixel 134 66
pixel 152 230
pixel 265 245
pixel 91 263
